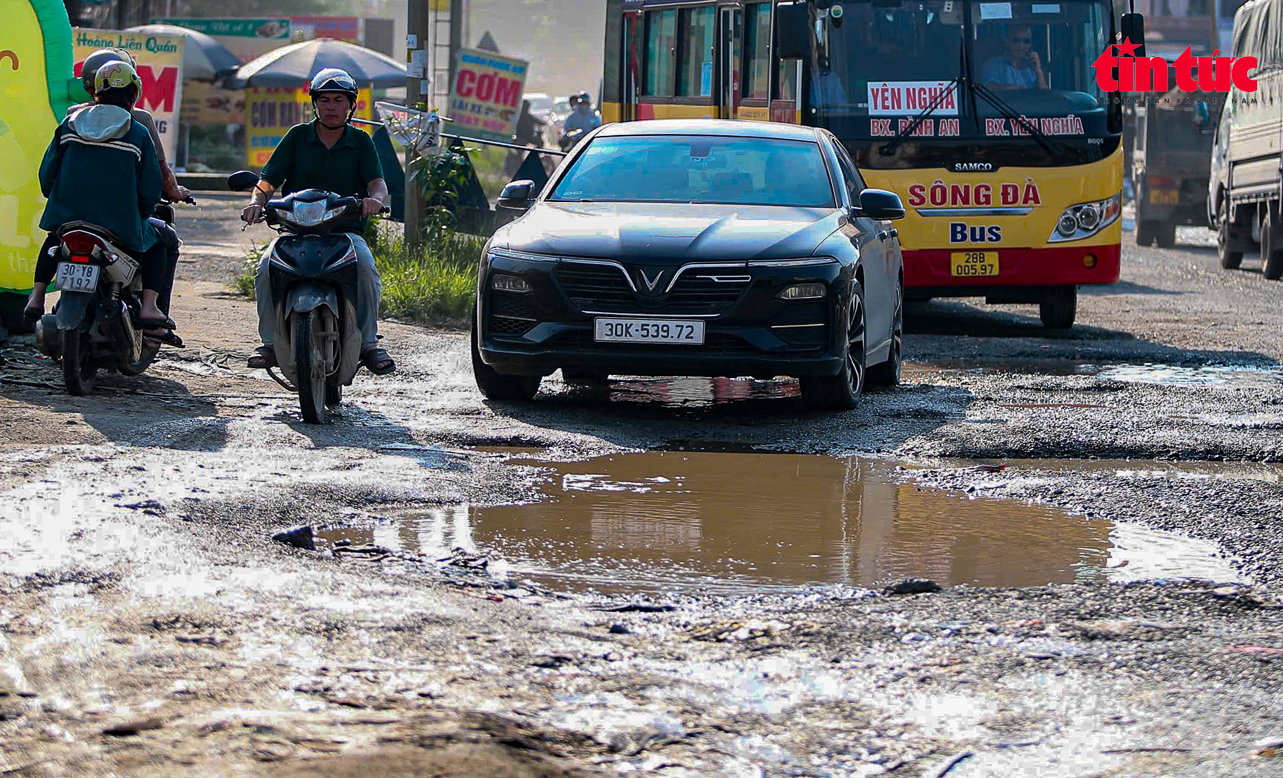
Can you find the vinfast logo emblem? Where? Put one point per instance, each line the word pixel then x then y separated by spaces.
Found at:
pixel 1149 74
pixel 651 285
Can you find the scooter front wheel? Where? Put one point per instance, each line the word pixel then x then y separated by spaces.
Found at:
pixel 309 365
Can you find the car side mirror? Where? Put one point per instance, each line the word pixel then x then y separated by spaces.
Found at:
pixel 242 181
pixel 792 30
pixel 517 195
pixel 880 204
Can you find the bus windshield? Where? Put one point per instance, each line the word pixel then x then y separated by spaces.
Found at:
pixel 892 59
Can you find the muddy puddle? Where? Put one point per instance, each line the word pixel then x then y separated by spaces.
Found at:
pixel 1246 376
pixel 695 392
pixel 742 522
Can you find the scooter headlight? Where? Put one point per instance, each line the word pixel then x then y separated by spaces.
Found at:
pixel 308 214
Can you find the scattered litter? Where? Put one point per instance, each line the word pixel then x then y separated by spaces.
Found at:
pixel 299 537
pixel 914 586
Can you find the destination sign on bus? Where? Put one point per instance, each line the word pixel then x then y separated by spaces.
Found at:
pixel 901 97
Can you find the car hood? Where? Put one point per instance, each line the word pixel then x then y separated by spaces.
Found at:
pixel 669 232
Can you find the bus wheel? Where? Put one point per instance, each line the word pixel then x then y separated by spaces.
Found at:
pixel 1165 235
pixel 1272 243
pixel 1058 308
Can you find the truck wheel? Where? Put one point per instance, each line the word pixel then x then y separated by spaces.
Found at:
pixel 1230 259
pixel 1165 234
pixel 1059 307
pixel 1146 232
pixel 1272 243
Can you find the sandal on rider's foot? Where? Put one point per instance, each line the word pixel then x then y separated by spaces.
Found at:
pixel 263 358
pixel 377 361
pixel 165 336
pixel 31 314
pixel 157 324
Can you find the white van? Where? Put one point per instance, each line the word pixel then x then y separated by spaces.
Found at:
pixel 1244 189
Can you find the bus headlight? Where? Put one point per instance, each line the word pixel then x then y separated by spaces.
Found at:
pixel 1086 219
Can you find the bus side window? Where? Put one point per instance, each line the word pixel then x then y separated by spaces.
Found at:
pixel 695 61
pixel 661 52
pixel 789 71
pixel 757 41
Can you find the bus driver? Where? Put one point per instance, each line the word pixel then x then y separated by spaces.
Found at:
pixel 1020 67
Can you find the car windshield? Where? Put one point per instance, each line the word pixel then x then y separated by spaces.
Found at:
pixel 892 58
pixel 688 169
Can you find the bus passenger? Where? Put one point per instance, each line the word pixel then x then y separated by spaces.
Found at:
pixel 1020 67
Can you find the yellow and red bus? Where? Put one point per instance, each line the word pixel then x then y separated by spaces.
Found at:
pixel 1010 170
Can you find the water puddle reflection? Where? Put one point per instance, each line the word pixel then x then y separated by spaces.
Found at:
pixel 1159 374
pixel 736 522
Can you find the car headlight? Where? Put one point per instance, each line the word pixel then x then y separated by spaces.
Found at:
pixel 1086 219
pixel 802 292
pixel 502 282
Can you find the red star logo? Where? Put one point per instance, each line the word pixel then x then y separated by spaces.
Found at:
pixel 1127 48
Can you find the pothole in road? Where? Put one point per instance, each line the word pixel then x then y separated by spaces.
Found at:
pixel 738 522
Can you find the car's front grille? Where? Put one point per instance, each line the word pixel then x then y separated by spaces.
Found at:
pixel 696 292
pixel 592 287
pixel 596 287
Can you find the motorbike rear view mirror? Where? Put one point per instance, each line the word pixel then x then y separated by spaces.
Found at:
pixel 242 181
pixel 880 204
pixel 517 195
pixel 792 32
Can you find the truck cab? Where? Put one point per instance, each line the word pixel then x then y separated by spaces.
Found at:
pixel 1169 161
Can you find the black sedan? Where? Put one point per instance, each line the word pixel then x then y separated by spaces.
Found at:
pixel 708 248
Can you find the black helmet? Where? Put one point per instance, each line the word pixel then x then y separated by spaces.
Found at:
pixel 99 58
pixel 333 80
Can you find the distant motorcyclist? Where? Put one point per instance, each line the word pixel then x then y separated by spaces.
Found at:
pixel 529 127
pixel 101 168
pixel 582 115
pixel 330 154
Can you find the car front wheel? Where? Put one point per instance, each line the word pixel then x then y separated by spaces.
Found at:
pixel 842 392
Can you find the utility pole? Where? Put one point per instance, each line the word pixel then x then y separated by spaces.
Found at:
pixel 418 86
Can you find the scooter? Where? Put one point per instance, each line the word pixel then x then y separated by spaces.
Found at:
pixel 312 274
pixel 93 325
pixel 568 140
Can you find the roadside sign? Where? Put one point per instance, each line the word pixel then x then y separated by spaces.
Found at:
pixel 246 38
pixel 270 113
pixel 485 97
pixel 160 66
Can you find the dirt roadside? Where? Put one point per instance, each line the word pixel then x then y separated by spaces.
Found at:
pixel 149 626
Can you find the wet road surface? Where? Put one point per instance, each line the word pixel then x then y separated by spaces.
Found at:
pixel 677 577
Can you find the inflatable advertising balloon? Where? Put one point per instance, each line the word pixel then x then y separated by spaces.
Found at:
pixel 37 86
